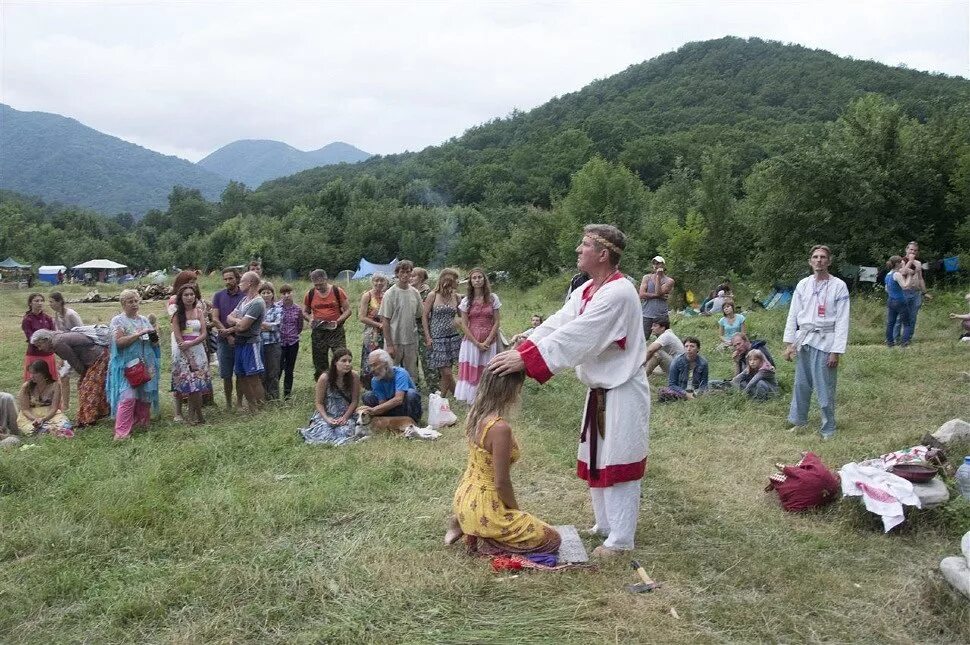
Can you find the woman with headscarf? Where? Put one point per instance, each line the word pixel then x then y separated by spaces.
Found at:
pixel 35 319
pixel 84 353
pixel 134 341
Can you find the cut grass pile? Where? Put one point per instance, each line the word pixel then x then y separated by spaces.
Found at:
pixel 236 531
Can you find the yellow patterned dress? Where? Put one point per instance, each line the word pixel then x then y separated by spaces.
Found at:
pixel 489 527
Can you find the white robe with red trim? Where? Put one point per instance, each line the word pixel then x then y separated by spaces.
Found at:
pixel 602 337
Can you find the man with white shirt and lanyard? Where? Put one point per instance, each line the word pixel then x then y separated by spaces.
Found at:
pixel 817 331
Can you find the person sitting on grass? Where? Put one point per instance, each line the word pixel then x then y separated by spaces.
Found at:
pixel 688 373
pixel 8 421
pixel 741 345
pixel 534 322
pixel 337 396
pixel 40 404
pixel 731 323
pixel 486 511
pixel 393 393
pixel 758 379
pixel 715 303
pixel 665 349
pixel 965 323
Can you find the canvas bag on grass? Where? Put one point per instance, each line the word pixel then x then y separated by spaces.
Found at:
pixel 805 485
pixel 439 412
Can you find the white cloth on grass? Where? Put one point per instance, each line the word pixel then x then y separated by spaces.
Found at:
pixel 882 493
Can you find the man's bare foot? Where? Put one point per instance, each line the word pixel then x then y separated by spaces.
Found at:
pixel 453 534
pixel 605 552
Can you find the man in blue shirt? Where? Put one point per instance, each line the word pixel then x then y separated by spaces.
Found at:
pixel 393 392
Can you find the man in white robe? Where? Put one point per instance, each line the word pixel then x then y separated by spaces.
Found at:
pixel 817 331
pixel 599 331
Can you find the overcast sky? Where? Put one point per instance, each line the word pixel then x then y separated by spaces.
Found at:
pixel 186 78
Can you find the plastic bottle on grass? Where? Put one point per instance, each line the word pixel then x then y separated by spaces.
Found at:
pixel 963 478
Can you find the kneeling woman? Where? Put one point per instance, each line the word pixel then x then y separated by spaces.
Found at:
pixel 337 397
pixel 40 403
pixel 486 511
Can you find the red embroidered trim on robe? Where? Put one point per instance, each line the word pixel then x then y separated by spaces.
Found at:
pixel 535 365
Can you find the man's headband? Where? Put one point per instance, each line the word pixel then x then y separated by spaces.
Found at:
pixel 602 241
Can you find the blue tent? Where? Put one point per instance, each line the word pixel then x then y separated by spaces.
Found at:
pixel 48 273
pixel 779 297
pixel 365 269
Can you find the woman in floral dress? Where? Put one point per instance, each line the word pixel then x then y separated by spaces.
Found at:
pixel 190 364
pixel 337 396
pixel 441 336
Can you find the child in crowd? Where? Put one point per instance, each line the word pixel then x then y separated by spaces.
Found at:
pixel 758 381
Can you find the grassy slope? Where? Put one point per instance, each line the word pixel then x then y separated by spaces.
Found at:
pixel 188 535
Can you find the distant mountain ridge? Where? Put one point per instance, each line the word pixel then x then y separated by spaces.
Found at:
pixel 751 96
pixel 253 161
pixel 60 159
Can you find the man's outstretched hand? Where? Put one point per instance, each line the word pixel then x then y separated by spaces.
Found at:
pixel 507 362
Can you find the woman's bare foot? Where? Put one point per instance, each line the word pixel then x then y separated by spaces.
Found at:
pixel 453 534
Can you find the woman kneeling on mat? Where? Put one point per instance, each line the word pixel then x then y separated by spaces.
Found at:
pixel 486 511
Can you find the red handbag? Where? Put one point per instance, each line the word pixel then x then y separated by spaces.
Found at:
pixel 137 372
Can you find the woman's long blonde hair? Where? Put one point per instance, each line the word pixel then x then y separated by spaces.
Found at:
pixel 496 395
pixel 447 288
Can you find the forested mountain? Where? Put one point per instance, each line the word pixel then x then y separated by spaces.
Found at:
pixel 753 97
pixel 253 161
pixel 729 156
pixel 60 159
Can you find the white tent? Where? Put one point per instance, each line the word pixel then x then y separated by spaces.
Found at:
pixel 100 264
pixel 365 268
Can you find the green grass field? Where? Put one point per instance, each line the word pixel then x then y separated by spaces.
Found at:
pixel 237 532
